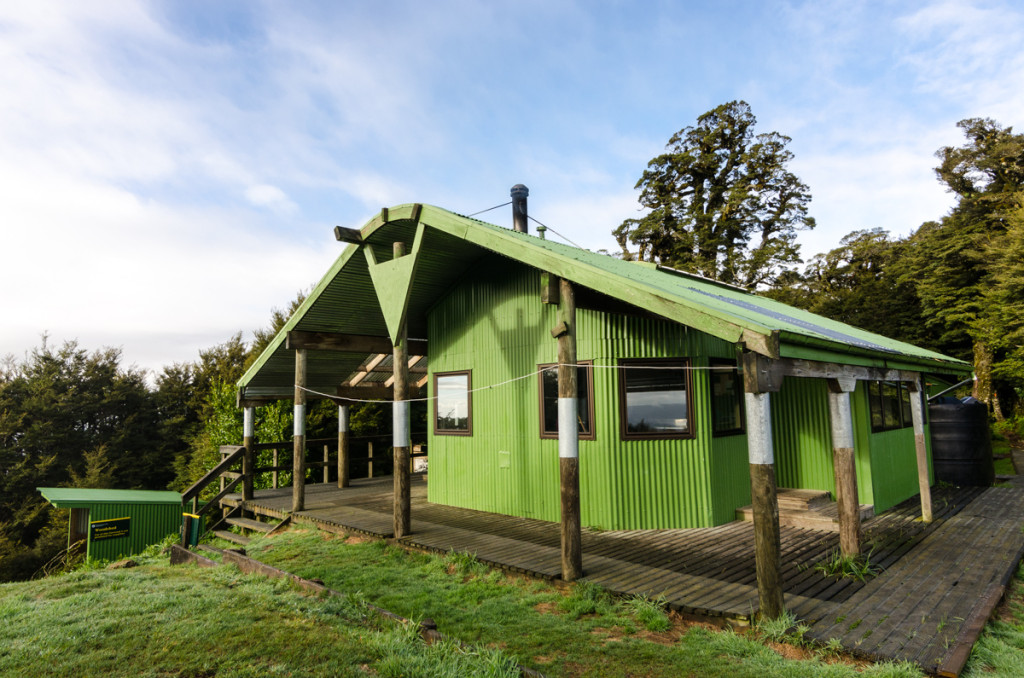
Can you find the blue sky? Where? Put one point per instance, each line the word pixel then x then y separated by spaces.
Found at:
pixel 171 171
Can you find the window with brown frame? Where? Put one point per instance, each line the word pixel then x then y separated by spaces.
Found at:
pixel 584 404
pixel 726 398
pixel 889 402
pixel 453 403
pixel 654 399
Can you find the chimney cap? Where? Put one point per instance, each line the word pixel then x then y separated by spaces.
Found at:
pixel 519 191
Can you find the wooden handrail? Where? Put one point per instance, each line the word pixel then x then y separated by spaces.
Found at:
pixel 214 473
pixel 216 500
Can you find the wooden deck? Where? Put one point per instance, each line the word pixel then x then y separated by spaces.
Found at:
pixel 939 579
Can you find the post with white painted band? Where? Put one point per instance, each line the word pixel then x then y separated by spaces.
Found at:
pixel 758 381
pixel 299 434
pixel 569 444
pixel 568 435
pixel 343 442
pixel 402 522
pixel 248 440
pixel 844 464
pixel 921 449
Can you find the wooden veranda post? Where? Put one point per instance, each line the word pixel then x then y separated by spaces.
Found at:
pixel 568 435
pixel 343 442
pixel 248 440
pixel 299 434
pixel 402 500
pixel 758 382
pixel 844 464
pixel 921 449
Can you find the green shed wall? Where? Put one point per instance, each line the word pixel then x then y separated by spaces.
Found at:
pixel 149 524
pixel 494 323
pixel 801 432
pixel 892 475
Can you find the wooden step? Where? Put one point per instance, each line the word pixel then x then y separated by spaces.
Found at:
pixel 250 524
pixel 824 520
pixel 802 500
pixel 232 537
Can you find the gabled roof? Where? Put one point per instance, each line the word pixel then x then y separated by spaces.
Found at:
pixel 344 301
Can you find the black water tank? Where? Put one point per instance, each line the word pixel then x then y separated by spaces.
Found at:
pixel 961 443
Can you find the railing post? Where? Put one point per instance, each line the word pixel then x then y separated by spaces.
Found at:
pixel 299 434
pixel 276 459
pixel 369 456
pixel 343 442
pixel 248 439
pixel 327 465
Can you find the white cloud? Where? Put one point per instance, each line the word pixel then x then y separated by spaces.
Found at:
pixel 272 197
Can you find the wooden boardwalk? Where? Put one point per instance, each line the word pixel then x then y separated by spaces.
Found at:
pixel 939 579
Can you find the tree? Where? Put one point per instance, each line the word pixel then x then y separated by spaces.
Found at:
pixel 853 281
pixel 963 268
pixel 66 413
pixel 722 202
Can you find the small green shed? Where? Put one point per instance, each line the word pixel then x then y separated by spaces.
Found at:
pixel 116 523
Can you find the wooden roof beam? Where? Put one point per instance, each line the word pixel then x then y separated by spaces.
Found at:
pixel 348 343
pixel 412 361
pixel 370 367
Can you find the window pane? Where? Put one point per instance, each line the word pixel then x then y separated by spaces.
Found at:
pixel 905 396
pixel 875 400
pixel 550 401
pixel 891 405
pixel 452 402
pixel 726 411
pixel 549 406
pixel 656 401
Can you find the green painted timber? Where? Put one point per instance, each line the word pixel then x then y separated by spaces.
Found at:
pixel 392 280
pixel 152 516
pixel 494 324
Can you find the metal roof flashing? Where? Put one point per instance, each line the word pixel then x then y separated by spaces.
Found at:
pixel 72 497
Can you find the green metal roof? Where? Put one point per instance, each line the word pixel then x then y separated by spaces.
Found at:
pixel 345 301
pixel 80 497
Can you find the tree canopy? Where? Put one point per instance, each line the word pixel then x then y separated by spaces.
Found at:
pixel 722 202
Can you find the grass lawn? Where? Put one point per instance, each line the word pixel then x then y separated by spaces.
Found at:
pixel 158 620
pixel 574 632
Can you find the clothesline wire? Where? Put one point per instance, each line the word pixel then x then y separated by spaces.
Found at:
pixel 536 372
pixel 556 233
pixel 489 209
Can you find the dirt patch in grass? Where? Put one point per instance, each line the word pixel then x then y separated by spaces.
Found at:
pixel 359 538
pixel 791 651
pixel 547 608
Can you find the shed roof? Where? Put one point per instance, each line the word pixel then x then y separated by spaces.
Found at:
pixel 344 301
pixel 81 497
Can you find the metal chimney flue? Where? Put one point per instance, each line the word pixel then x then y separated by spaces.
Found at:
pixel 519 215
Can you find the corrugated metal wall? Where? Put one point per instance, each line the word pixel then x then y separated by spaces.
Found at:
pixel 890 475
pixel 149 524
pixel 496 325
pixel 802 435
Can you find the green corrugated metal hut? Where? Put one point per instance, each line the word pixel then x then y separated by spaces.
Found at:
pixel 663 439
pixel 116 523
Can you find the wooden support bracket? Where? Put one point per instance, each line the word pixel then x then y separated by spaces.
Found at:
pixel 559 330
pixel 351 235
